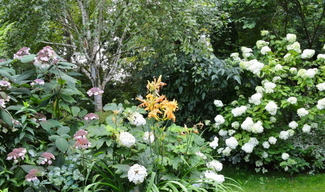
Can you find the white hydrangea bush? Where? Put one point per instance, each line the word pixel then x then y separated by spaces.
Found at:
pixel 280 125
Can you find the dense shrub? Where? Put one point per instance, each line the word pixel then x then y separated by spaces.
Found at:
pixel 280 126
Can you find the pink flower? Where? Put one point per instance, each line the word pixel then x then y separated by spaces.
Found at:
pixel 95 91
pixel 37 82
pixel 80 134
pixel 16 122
pixel 16 154
pixel 2 103
pixel 46 158
pixel 4 83
pixel 32 175
pixel 22 52
pixel 91 116
pixel 45 57
pixel 82 143
pixel 39 117
pixel 2 60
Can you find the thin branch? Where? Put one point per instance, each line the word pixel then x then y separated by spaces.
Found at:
pixel 60 44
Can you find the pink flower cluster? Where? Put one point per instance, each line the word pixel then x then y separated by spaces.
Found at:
pixel 2 60
pixel 22 52
pixel 3 100
pixel 91 116
pixel 32 175
pixel 4 83
pixel 46 56
pixel 37 82
pixel 2 103
pixel 46 158
pixel 95 91
pixel 16 154
pixel 39 117
pixel 81 140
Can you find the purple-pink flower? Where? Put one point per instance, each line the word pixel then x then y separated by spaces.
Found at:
pixel 91 116
pixel 45 57
pixel 32 175
pixel 39 117
pixel 4 83
pixel 95 91
pixel 16 154
pixel 80 134
pixel 37 82
pixel 46 157
pixel 81 140
pixel 22 52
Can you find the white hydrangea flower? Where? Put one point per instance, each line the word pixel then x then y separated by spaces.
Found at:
pixel 321 56
pixel 137 173
pixel 248 147
pixel 310 73
pixel 247 124
pixel 314 125
pixel 235 125
pixel 253 141
pixel 302 73
pixel 219 120
pixel 214 176
pixel 214 144
pixel 226 151
pixel 276 78
pixel 266 144
pixel 137 119
pixel 288 57
pixel 265 50
pixel 293 124
pixel 321 104
pixel 259 163
pixel 291 37
pixel 232 142
pixel 223 132
pixel 278 67
pixel 234 55
pixel 215 165
pixel 256 98
pixel 238 111
pixel 271 107
pixel 126 139
pixel 292 100
pixel 259 89
pixel 218 103
pixel 201 155
pixel 255 67
pixel 291 132
pixel 149 136
pixel 231 132
pixel 284 135
pixel 272 140
pixel 265 155
pixel 285 156
pixel 306 128
pixel 302 112
pixel 293 70
pixel 307 53
pixel 324 47
pixel 272 119
pixel 295 46
pixel 261 43
pixel 264 33
pixel 269 86
pixel 321 86
pixel 257 127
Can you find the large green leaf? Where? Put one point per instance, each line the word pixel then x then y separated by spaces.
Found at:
pixel 62 144
pixel 6 117
pixel 63 130
pixel 27 58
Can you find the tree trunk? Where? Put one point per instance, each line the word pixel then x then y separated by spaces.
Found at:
pixel 98 103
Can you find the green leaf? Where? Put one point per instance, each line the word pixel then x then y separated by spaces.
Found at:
pixel 75 111
pixel 61 144
pixel 63 130
pixel 122 169
pixel 67 98
pixel 51 123
pixel 27 58
pixel 6 117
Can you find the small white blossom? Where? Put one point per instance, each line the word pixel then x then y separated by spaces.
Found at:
pixel 257 127
pixel 223 132
pixel 306 128
pixel 256 98
pixel 253 141
pixel 232 142
pixel 137 173
pixel 284 135
pixel 265 155
pixel 271 107
pixel 292 100
pixel 272 119
pixel 215 165
pixel 264 33
pixel 307 53
pixel 261 43
pixel 258 163
pixel 285 156
pixel 248 147
pixel 321 104
pixel 201 155
pixel 302 112
pixel 259 89
pixel 276 78
pixel 218 103
pixel 295 47
pixel 235 125
pixel 214 176
pixel 269 86
pixel 272 140
pixel 148 137
pixel 278 67
pixel 137 119
pixel 293 124
pixel 231 132
pixel 266 144
pixel 226 151
pixel 321 56
pixel 293 70
pixel 126 139
pixel 321 86
pixel 214 144
pixel 219 120
pixel 291 37
pixel 265 50
pixel 288 57
pixel 247 124
pixel 238 111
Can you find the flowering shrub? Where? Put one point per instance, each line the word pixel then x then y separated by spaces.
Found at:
pixel 279 126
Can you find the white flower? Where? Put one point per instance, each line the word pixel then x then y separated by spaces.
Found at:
pixel 324 47
pixel 258 163
pixel 272 119
pixel 321 56
pixel 284 135
pixel 149 136
pixel 278 67
pixel 248 147
pixel 292 100
pixel 321 104
pixel 223 132
pixel 255 66
pixel 137 173
pixel 257 127
pixel 272 140
pixel 247 124
pixel 306 128
pixel 285 156
pixel 310 73
pixel 291 37
pixel 293 124
pixel 235 125
pixel 137 119
pixel 264 32
pixel 126 139
pixel 232 142
pixel 265 155
pixel 276 78
pixel 291 132
pixel 216 165
pixel 234 55
pixel 218 103
pixel 295 46
pixel 246 49
pixel 259 89
pixel 307 53
pixel 253 141
pixel 288 57
pixel 293 70
pixel 271 107
pixel 238 111
pixel 265 50
pixel 321 86
pixel 266 144
pixel 231 132
pixel 302 112
pixel 226 151
pixel 269 86
pixel 314 125
pixel 201 155
pixel 256 98
pixel 214 144
pixel 261 43
pixel 214 176
pixel 219 120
